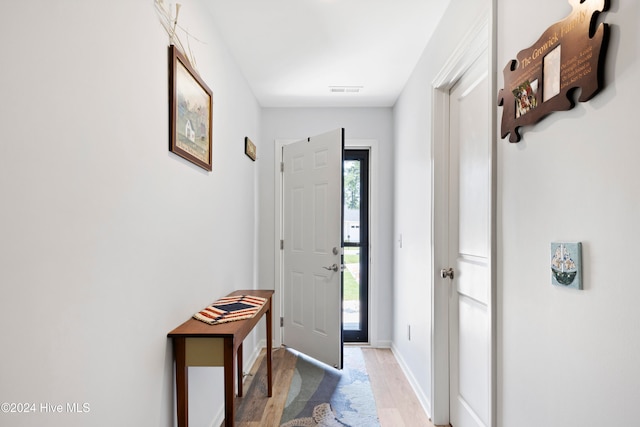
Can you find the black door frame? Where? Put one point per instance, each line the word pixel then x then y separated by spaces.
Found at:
pixel 362 334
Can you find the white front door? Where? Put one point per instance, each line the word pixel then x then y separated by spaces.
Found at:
pixel 312 259
pixel 469 244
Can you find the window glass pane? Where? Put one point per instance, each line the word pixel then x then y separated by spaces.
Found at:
pixel 352 201
pixel 351 289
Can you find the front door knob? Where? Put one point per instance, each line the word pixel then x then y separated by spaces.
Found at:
pixel 334 267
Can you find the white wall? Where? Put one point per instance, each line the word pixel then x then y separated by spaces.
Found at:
pixel 412 209
pixel 359 123
pixel 565 357
pixel 570 358
pixel 107 240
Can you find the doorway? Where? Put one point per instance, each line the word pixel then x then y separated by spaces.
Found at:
pixel 310 246
pixel 355 243
pixel 373 272
pixel 464 337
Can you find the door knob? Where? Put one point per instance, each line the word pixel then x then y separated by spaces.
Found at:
pixel 334 267
pixel 444 273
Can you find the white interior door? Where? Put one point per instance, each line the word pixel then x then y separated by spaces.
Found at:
pixel 470 249
pixel 312 259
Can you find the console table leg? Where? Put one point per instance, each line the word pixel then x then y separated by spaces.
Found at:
pixel 239 364
pixel 269 344
pixel 229 376
pixel 182 382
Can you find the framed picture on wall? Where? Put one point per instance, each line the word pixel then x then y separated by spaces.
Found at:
pixel 190 112
pixel 249 148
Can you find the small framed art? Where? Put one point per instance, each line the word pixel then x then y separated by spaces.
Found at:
pixel 566 264
pixel 249 148
pixel 190 112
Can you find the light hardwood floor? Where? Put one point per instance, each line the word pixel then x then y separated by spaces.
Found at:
pixel 254 409
pixel 396 401
pixel 397 404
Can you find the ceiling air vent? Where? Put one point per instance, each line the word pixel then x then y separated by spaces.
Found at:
pixel 345 89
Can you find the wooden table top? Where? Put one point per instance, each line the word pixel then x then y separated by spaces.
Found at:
pixel 238 328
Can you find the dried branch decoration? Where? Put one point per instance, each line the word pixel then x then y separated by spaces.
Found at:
pixel 169 22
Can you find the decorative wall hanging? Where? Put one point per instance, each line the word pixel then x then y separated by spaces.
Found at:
pixel 569 55
pixel 566 264
pixel 190 106
pixel 170 24
pixel 249 148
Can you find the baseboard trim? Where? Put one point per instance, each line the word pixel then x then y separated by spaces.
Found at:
pixel 260 345
pixel 420 394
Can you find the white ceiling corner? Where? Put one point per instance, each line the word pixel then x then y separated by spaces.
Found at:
pixel 292 51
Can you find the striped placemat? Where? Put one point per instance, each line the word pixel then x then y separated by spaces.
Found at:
pixel 231 308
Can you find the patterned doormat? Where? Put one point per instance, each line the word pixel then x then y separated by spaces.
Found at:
pixel 323 396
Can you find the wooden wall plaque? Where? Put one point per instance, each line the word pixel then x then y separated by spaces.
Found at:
pixel 568 55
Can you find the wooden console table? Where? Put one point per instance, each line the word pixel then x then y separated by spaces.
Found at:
pixel 196 343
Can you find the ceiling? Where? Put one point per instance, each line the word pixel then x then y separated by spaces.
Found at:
pixel 292 52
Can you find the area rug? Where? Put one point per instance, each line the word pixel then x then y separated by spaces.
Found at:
pixel 320 395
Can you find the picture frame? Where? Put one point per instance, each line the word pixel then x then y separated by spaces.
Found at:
pixel 190 112
pixel 249 148
pixel 566 264
pixel 567 59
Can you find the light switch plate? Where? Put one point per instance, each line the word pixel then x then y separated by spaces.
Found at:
pixel 566 264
